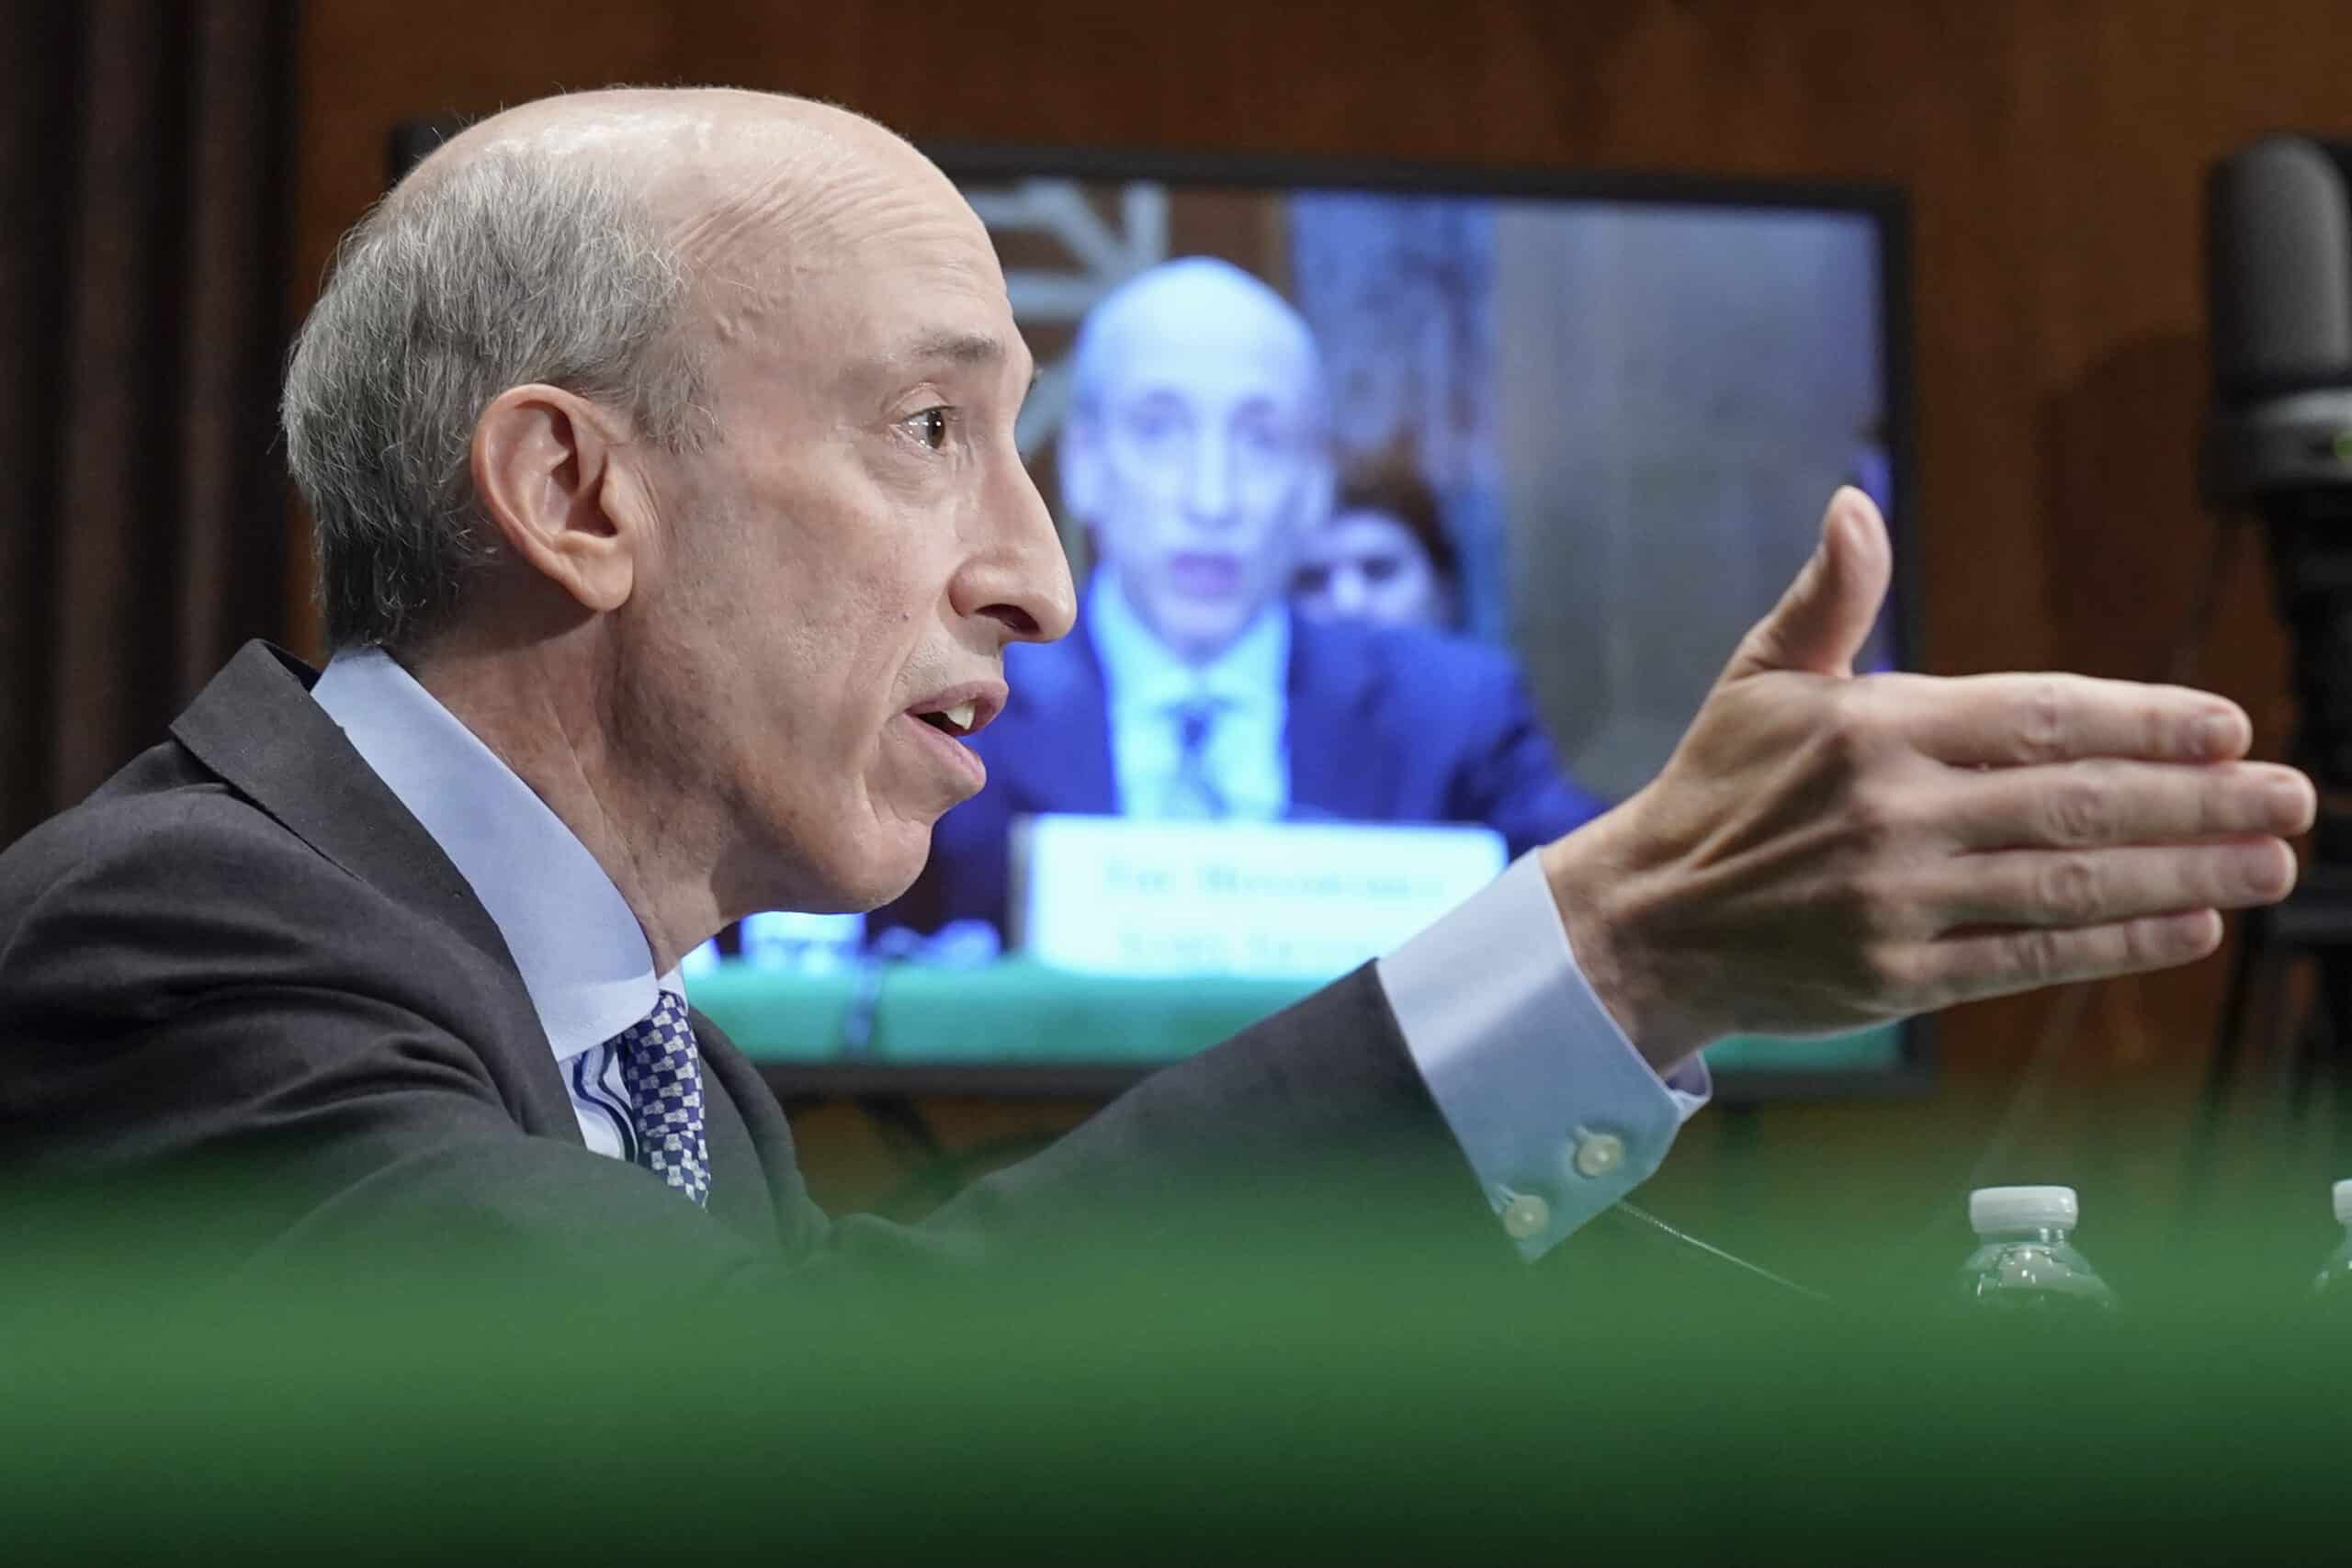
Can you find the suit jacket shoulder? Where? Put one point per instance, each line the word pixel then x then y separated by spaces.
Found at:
pixel 1403 725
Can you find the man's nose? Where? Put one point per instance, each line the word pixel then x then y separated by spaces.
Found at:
pixel 1019 577
pixel 1210 484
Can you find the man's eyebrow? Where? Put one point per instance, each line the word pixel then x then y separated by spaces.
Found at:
pixel 955 348
pixel 959 350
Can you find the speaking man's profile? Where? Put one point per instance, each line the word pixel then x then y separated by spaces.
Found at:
pixel 1197 455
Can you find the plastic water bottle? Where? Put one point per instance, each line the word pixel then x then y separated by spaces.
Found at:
pixel 2024 1265
pixel 2333 1285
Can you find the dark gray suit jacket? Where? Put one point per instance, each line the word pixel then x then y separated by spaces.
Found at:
pixel 242 955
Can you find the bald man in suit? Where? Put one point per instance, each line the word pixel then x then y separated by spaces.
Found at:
pixel 673 536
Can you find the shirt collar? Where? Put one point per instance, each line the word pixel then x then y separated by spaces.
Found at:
pixel 1142 675
pixel 582 955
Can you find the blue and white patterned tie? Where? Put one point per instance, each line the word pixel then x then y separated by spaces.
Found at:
pixel 664 1075
pixel 1193 792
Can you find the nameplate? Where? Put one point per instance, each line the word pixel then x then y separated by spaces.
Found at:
pixel 1274 900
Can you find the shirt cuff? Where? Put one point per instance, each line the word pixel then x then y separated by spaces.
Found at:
pixel 1557 1114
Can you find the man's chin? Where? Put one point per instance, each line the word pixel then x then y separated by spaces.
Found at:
pixel 851 873
pixel 1200 630
pixel 885 873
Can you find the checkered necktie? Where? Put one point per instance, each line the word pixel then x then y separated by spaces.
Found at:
pixel 1193 791
pixel 663 1076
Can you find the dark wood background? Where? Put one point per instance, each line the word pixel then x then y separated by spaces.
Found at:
pixel 2053 152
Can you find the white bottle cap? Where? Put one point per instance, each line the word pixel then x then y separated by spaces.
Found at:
pixel 1992 1210
pixel 2343 1202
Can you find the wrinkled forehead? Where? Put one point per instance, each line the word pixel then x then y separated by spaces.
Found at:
pixel 846 268
pixel 832 191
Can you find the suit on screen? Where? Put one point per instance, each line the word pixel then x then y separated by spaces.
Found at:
pixel 1384 725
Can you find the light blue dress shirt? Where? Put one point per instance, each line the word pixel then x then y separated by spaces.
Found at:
pixel 1146 688
pixel 1556 1114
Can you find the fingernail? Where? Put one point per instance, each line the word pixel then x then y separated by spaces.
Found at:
pixel 2219 733
pixel 2270 876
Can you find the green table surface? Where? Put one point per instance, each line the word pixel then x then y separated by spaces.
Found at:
pixel 1018 1012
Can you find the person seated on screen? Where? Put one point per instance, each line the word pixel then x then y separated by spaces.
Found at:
pixel 1385 556
pixel 1196 452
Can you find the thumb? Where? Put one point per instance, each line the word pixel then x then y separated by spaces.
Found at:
pixel 1820 622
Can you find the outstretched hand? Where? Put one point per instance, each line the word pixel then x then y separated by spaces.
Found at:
pixel 1824 852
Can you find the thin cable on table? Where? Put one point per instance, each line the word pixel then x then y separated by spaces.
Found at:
pixel 1717 1253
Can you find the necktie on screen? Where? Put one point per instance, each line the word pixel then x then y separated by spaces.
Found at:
pixel 663 1076
pixel 1193 791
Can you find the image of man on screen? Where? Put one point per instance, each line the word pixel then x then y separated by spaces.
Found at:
pixel 1197 455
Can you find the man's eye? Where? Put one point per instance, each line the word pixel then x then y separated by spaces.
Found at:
pixel 932 426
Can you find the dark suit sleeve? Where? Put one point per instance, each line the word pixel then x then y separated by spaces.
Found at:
pixel 1310 1131
pixel 257 1025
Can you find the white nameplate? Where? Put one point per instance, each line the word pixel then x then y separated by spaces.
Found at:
pixel 1287 901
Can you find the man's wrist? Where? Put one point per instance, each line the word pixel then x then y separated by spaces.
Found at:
pixel 1597 893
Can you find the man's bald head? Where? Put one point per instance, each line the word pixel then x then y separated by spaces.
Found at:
pixel 1174 306
pixel 595 241
pixel 709 162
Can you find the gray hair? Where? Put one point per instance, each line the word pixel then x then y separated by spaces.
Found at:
pixel 517 266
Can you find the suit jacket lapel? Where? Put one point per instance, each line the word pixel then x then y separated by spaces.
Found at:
pixel 256 725
pixel 1333 699
pixel 1058 756
pixel 745 1125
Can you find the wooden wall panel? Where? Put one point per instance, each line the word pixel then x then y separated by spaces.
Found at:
pixel 2054 155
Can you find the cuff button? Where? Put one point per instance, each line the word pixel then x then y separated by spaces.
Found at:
pixel 1525 1217
pixel 1597 1154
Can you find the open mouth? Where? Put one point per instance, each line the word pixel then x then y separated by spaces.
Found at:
pixel 961 712
pixel 955 721
pixel 1205 574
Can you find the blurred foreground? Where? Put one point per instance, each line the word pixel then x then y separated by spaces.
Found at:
pixel 1363 1390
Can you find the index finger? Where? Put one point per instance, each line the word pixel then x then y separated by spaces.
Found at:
pixel 2014 720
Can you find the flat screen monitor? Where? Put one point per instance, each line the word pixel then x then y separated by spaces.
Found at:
pixel 1412 511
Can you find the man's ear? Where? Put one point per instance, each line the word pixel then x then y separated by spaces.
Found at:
pixel 1317 493
pixel 1077 466
pixel 544 472
pixel 1322 489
